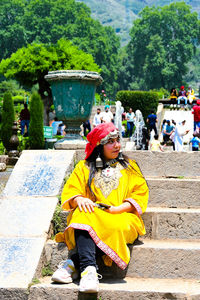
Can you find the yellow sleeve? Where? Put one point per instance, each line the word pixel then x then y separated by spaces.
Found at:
pixel 76 185
pixel 138 191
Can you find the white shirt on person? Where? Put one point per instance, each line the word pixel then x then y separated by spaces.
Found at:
pixel 107 116
pixel 130 117
pixel 97 119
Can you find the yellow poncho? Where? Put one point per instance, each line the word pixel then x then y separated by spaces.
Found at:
pixel 110 232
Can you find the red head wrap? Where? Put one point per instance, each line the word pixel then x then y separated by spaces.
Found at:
pixel 96 135
pixel 182 87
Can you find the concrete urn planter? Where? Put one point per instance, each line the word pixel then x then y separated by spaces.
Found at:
pixel 73 95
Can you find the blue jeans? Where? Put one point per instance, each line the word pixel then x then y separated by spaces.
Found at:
pixel 87 251
pixel 23 124
pixel 130 126
pixel 196 124
pixel 182 98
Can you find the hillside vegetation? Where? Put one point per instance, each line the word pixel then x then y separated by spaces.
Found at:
pixel 120 14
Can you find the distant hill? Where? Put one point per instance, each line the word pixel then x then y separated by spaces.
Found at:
pixel 120 14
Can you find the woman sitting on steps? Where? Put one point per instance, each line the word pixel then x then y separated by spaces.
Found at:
pixel 106 195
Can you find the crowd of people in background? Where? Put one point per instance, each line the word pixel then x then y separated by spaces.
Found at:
pixel 171 132
pixel 183 95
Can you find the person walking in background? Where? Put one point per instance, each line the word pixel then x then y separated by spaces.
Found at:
pixel 107 116
pixel 195 141
pixel 180 131
pixel 196 113
pixel 25 119
pixel 130 117
pixel 152 120
pixel 97 118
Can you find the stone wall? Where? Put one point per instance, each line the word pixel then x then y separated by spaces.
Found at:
pixel 164 164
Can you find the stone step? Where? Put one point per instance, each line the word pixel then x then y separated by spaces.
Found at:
pixel 165 259
pixel 149 259
pixel 172 223
pixel 126 289
pixel 174 192
pixel 163 164
pixel 163 222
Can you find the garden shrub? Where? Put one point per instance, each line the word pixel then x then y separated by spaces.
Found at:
pixel 8 117
pixel 18 99
pixel 144 101
pixel 36 132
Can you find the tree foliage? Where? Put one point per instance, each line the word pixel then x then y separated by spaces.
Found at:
pixel 8 117
pixel 163 41
pixel 47 21
pixel 36 132
pixel 29 65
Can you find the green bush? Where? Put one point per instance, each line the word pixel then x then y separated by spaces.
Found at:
pixel 2 149
pixel 36 132
pixel 8 117
pixel 144 101
pixel 18 99
pixel 23 143
pixel 18 109
pixel 161 93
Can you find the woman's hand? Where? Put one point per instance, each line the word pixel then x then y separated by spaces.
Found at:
pixel 84 204
pixel 124 207
pixel 113 210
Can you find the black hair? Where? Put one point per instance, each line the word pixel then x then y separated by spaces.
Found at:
pixel 98 152
pixel 155 136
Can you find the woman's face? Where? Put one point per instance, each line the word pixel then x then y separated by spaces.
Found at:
pixel 112 148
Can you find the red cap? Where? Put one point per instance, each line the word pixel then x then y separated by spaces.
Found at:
pixel 96 135
pixel 182 87
pixel 198 102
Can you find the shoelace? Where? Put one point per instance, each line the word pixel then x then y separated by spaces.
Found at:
pixel 91 274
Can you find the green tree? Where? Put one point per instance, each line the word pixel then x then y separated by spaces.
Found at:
pixel 163 41
pixel 12 33
pixel 47 21
pixel 30 65
pixel 8 118
pixel 36 134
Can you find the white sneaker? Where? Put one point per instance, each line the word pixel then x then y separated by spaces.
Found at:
pixel 89 282
pixel 65 273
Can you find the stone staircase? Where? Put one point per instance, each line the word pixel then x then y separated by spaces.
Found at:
pixel 165 264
